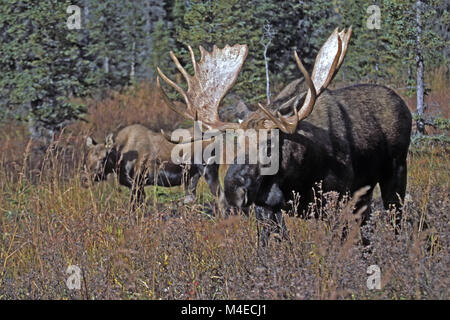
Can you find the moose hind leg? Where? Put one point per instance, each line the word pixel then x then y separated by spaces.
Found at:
pixel 393 187
pixel 363 201
pixel 281 226
pixel 264 216
pixel 272 222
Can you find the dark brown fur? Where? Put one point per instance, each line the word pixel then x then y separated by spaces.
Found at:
pixel 356 136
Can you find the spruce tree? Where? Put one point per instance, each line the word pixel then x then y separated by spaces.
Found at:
pixel 161 47
pixel 415 43
pixel 42 63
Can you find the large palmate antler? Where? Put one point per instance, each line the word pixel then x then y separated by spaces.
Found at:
pixel 327 63
pixel 218 70
pixel 214 75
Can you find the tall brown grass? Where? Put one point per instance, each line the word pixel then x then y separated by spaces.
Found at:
pixel 140 104
pixel 172 251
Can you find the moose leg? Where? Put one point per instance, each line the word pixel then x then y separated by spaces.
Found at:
pixel 270 214
pixel 281 226
pixel 393 187
pixel 137 196
pixel 190 184
pixel 211 174
pixel 263 215
pixel 272 222
pixel 363 201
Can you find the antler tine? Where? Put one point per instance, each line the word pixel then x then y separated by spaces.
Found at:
pixel 274 119
pixel 169 103
pixel 310 99
pixel 289 102
pixel 345 37
pixel 326 65
pixel 334 65
pixel 197 127
pixel 290 124
pixel 177 87
pixel 169 138
pixel 287 125
pixel 180 68
pixel 194 62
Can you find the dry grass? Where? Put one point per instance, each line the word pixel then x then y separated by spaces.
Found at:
pixel 141 104
pixel 48 222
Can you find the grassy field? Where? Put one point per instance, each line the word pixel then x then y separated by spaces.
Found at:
pixel 171 251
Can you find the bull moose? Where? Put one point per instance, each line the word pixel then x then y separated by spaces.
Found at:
pixel 349 138
pixel 142 157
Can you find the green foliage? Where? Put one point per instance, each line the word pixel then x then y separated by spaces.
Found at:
pixel 161 48
pixel 297 26
pixel 366 60
pixel 112 51
pixel 422 143
pixel 222 22
pixel 41 62
pixel 300 26
pixel 401 29
pixel 376 55
pixel 44 64
pixel 442 123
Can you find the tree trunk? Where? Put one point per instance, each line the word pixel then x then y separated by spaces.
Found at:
pixel 133 61
pixel 420 86
pixel 266 60
pixel 106 65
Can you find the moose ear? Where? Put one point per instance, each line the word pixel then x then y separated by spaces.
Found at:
pixel 90 142
pixel 109 140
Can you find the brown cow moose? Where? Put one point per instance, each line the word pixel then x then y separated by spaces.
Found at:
pixel 142 157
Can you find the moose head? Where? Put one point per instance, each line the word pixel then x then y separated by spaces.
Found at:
pixel 101 159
